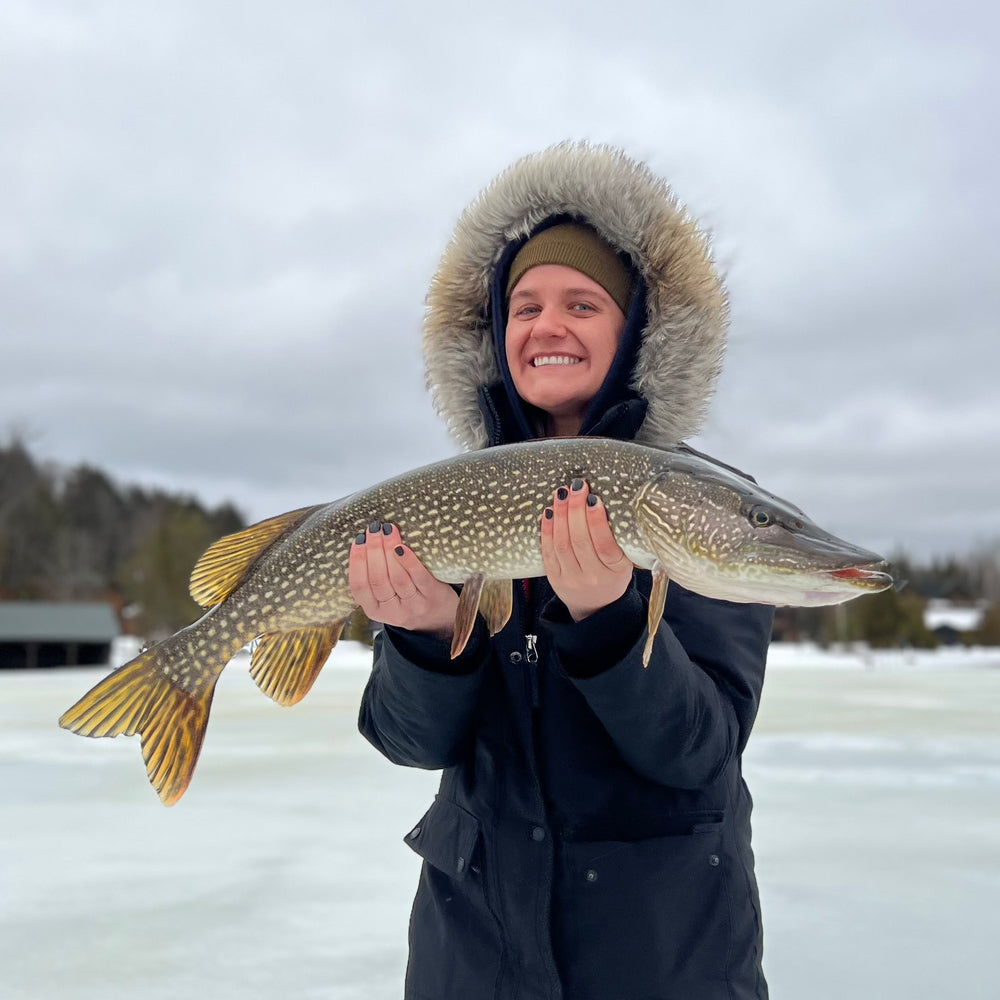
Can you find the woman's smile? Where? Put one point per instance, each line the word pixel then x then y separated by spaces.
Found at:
pixel 554 359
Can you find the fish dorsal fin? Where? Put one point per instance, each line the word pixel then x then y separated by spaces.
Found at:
pixel 497 603
pixel 285 665
pixel 225 563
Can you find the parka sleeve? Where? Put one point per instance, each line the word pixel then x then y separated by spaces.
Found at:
pixel 682 719
pixel 419 705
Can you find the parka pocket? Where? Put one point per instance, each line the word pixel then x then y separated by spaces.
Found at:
pixel 647 918
pixel 455 945
pixel 447 838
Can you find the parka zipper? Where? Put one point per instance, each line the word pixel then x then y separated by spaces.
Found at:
pixel 532 650
pixel 531 658
pixel 529 619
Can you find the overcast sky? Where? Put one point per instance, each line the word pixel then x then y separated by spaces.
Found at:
pixel 218 222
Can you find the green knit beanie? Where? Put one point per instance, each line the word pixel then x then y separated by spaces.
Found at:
pixel 582 249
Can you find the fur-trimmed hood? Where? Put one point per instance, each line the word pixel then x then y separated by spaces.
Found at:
pixel 682 343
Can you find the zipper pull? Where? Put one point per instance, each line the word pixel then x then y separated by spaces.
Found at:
pixel 532 656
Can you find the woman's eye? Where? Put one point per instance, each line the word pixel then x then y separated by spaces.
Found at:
pixel 582 307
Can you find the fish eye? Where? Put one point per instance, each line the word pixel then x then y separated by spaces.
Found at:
pixel 760 517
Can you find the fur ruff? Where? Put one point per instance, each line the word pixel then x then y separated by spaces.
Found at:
pixel 683 341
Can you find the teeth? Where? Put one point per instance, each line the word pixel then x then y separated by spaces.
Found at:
pixel 555 359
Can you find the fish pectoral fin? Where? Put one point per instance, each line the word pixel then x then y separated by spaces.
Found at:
pixel 497 603
pixel 465 615
pixel 224 564
pixel 140 698
pixel 285 665
pixel 657 601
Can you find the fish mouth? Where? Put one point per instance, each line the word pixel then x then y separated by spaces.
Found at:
pixel 870 576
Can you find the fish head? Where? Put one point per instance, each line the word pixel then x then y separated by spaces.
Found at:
pixel 721 535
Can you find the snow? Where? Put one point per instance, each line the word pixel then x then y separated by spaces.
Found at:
pixel 282 872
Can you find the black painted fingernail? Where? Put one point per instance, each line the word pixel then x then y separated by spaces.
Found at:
pixel 561 493
pixel 375 527
pixel 548 513
pixel 576 485
pixel 386 529
pixel 360 540
pixel 398 550
pixel 591 499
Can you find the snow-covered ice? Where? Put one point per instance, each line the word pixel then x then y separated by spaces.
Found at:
pixel 282 872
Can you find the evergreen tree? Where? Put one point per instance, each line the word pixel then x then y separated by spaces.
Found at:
pixel 29 519
pixel 988 633
pixel 155 576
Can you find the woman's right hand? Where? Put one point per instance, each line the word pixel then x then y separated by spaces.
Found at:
pixel 392 586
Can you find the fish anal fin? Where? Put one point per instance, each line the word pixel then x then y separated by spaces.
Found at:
pixel 285 665
pixel 465 615
pixel 657 601
pixel 497 603
pixel 225 563
pixel 140 698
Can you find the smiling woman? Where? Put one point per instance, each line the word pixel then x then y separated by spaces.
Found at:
pixel 591 835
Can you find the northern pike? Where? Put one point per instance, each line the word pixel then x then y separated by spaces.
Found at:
pixel 472 520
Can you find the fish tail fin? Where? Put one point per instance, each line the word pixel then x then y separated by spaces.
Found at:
pixel 141 697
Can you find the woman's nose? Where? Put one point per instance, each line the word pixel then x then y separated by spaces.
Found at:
pixel 548 323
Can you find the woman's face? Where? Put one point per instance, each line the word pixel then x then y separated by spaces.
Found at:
pixel 563 331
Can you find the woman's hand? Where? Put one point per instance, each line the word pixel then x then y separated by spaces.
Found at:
pixel 585 565
pixel 393 586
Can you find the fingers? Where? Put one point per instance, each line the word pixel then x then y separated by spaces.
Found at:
pixel 400 563
pixel 607 550
pixel 376 563
pixel 585 566
pixel 576 533
pixel 357 572
pixel 393 586
pixel 561 540
pixel 374 574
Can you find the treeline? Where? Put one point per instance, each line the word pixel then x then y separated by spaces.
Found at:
pixel 74 534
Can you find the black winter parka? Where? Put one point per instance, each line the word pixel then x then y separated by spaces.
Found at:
pixel 590 839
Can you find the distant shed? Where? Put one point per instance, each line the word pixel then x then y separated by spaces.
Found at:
pixel 48 634
pixel 952 622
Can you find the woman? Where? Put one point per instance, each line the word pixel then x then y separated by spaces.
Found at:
pixel 591 836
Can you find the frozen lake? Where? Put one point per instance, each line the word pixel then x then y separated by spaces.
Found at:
pixel 282 872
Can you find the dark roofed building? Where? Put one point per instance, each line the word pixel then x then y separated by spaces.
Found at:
pixel 951 621
pixel 44 634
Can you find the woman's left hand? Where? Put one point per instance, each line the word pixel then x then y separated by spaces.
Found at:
pixel 585 566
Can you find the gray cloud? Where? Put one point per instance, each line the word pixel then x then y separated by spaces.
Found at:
pixel 219 231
